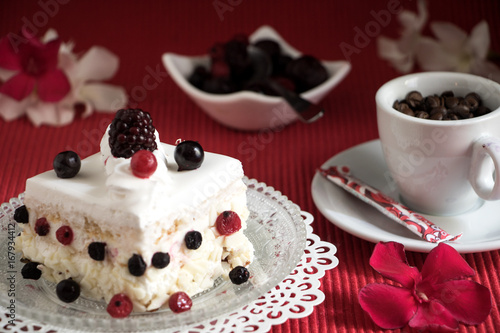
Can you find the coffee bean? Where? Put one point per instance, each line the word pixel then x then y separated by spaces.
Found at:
pixel 438 110
pixel 472 100
pixel 446 106
pixel 442 100
pixel 414 98
pixel 481 111
pixel 422 114
pixel 408 111
pixel 451 102
pixel 447 93
pixel 437 116
pixel 461 110
pixel 431 102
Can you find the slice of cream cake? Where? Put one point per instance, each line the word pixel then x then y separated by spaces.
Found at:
pixel 154 227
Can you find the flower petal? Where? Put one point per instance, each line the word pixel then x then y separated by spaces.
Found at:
pixel 37 58
pixel 67 62
pixel 468 301
pixel 56 114
pixel 8 58
pixel 6 74
pixel 432 56
pixel 432 315
pixel 104 97
pixel 11 109
pixel 479 40
pixel 19 86
pixel 53 86
pixel 50 35
pixel 412 22
pixel 422 15
pixel 97 64
pixel 486 69
pixel 389 49
pixel 389 259
pixel 451 37
pixel 444 263
pixel 390 307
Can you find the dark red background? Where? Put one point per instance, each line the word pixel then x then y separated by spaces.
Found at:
pixel 140 32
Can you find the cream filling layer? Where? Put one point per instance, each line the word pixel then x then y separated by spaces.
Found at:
pixel 191 271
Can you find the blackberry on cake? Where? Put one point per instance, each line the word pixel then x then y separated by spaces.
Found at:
pixel 131 130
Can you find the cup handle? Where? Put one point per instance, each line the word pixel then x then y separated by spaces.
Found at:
pixel 485 169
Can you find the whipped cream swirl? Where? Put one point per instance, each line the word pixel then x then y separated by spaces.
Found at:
pixel 123 185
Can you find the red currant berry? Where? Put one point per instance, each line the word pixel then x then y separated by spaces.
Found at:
pixel 228 222
pixel 143 164
pixel 64 235
pixel 180 302
pixel 120 306
pixel 42 226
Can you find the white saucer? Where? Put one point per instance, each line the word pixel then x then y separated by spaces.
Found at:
pixel 480 227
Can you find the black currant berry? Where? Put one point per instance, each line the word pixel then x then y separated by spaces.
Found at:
pixel 193 240
pixel 30 271
pixel 21 215
pixel 136 265
pixel 97 251
pixel 239 275
pixel 189 155
pixel 68 290
pixel 67 164
pixel 160 260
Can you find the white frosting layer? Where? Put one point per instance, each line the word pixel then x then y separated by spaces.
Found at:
pixel 138 216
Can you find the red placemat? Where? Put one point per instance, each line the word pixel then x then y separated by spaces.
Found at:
pixel 139 33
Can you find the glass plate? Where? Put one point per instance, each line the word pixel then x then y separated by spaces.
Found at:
pixel 275 228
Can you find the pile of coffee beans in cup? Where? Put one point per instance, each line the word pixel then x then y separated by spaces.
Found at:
pixel 446 106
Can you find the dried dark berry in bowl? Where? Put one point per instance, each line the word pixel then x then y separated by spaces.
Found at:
pixel 307 72
pixel 231 69
pixel 446 106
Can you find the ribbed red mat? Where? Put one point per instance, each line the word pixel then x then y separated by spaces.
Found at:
pixel 139 32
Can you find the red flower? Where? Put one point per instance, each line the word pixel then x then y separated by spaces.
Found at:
pixel 36 67
pixel 438 298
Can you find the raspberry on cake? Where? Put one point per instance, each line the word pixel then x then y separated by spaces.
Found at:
pixel 135 231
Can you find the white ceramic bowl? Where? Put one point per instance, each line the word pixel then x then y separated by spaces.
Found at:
pixel 247 110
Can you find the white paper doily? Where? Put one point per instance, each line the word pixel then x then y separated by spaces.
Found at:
pixel 294 297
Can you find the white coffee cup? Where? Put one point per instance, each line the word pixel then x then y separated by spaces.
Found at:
pixel 441 167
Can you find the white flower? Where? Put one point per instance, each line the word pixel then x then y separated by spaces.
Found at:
pixel 96 64
pixel 401 53
pixel 86 92
pixel 455 51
